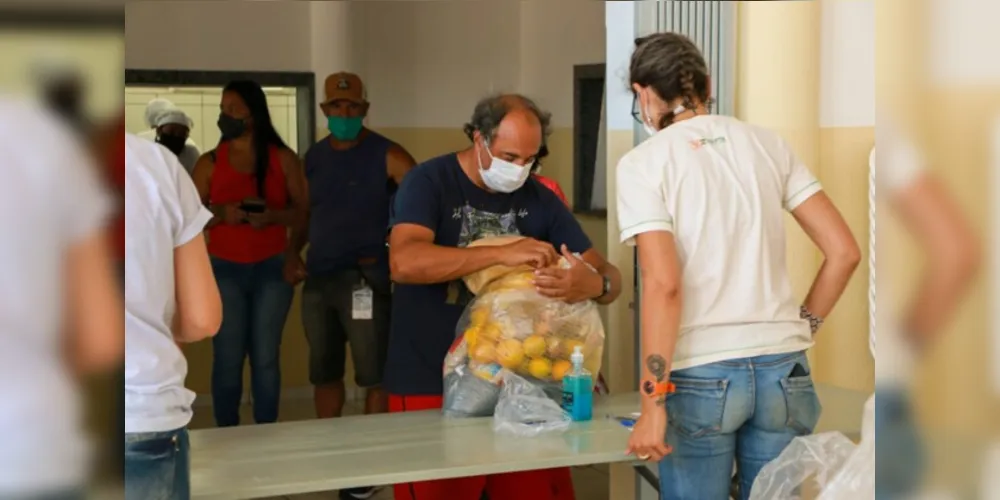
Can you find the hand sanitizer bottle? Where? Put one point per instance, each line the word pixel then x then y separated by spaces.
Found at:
pixel 578 390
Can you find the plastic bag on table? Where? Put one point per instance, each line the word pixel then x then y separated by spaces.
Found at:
pixel 525 410
pixel 823 466
pixel 510 326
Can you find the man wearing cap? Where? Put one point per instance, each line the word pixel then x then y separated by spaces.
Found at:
pixel 352 175
pixel 167 124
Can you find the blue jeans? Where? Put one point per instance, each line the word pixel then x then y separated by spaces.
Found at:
pixel 255 304
pixel 157 466
pixel 743 411
pixel 899 452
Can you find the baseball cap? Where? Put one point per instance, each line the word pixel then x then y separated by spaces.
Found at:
pixel 344 86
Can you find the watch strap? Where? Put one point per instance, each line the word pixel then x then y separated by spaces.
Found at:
pixel 605 287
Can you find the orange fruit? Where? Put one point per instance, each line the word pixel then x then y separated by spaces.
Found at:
pixel 479 316
pixel 540 368
pixel 484 353
pixel 524 368
pixel 560 369
pixel 490 331
pixel 510 354
pixel 568 347
pixel 534 346
pixel 553 347
pixel 471 337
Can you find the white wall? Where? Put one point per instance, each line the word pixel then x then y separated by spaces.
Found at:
pixel 211 35
pixel 621 34
pixel 425 63
pixel 847 59
pixel 555 36
pixel 964 38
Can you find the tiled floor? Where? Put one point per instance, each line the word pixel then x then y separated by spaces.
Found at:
pixel 591 483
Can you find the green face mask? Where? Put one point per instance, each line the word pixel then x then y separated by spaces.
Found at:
pixel 344 129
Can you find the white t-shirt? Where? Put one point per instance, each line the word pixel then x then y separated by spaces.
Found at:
pixel 162 212
pixel 188 157
pixel 52 197
pixel 722 187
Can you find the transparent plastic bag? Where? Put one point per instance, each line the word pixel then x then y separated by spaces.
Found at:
pixel 510 326
pixel 825 466
pixel 525 410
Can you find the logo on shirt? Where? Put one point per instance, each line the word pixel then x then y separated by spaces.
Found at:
pixel 476 225
pixel 699 143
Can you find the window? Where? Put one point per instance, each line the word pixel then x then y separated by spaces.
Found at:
pixel 291 98
pixel 589 158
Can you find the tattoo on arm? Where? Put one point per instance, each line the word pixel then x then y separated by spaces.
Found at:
pixel 658 367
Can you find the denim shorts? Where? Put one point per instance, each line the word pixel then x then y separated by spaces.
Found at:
pixel 743 411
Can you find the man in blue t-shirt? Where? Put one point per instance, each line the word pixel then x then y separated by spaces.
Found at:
pixel 443 205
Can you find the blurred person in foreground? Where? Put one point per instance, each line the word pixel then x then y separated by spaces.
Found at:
pixel 255 187
pixel 725 374
pixel 64 90
pixel 167 131
pixel 60 302
pixel 445 204
pixel 170 298
pixel 926 210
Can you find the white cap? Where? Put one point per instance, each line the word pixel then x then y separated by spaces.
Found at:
pixel 174 116
pixel 577 357
pixel 154 108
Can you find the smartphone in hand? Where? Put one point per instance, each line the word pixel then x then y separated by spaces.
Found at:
pixel 252 206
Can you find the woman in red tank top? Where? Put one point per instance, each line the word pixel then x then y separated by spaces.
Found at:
pixel 255 186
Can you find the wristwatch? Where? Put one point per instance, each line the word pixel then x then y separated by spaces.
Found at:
pixel 605 287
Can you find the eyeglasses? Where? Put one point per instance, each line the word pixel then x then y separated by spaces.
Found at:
pixel 636 115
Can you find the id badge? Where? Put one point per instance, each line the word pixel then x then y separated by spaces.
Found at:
pixel 361 307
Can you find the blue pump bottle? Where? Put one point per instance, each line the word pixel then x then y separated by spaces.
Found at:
pixel 578 390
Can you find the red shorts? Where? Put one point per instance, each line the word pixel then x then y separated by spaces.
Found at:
pixel 552 484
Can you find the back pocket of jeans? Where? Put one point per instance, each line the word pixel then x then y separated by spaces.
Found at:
pixel 697 407
pixel 158 448
pixel 804 408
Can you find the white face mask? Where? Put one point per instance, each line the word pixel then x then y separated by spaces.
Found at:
pixel 503 176
pixel 647 123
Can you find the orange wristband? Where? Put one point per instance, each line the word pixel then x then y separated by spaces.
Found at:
pixel 657 389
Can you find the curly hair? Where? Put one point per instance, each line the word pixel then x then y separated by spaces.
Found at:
pixel 490 111
pixel 673 66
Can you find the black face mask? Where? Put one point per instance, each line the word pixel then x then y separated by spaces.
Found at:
pixel 174 143
pixel 230 127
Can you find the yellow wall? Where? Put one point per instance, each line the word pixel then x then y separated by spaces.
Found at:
pixel 841 356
